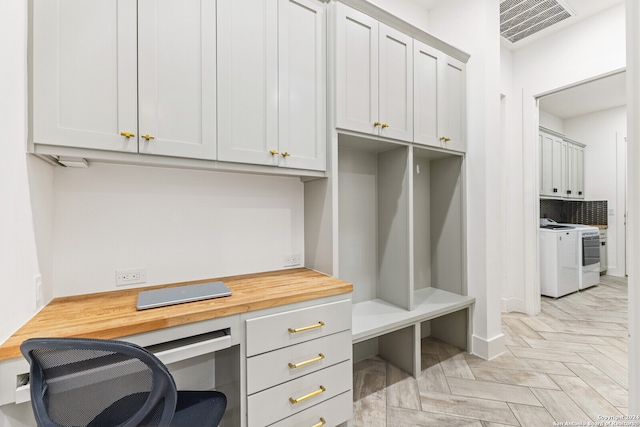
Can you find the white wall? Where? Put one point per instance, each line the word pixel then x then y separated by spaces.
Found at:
pixel 587 49
pixel 511 297
pixel 605 158
pixel 24 181
pixel 25 194
pixel 179 224
pixel 552 122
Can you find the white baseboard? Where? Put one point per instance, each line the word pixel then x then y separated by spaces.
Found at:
pixel 488 349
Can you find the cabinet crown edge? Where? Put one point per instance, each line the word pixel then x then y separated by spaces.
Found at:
pixel 393 21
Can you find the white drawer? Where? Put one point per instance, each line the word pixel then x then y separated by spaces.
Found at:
pixel 272 368
pixel 332 412
pixel 279 330
pixel 274 404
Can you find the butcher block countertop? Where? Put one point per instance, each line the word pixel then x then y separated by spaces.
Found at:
pixel 109 315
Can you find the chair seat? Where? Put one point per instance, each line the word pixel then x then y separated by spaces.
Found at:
pixel 199 408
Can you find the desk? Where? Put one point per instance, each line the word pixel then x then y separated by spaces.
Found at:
pixel 112 315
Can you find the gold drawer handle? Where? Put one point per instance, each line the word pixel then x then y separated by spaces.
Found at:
pixel 321 423
pixel 306 362
pixel 445 139
pixel 148 137
pixel 127 134
pixel 286 154
pixel 306 328
pixel 376 124
pixel 300 399
pixel 384 125
pixel 273 152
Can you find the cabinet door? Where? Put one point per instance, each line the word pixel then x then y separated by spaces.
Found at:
pixel 177 78
pixel 572 170
pixel 84 74
pixel 566 169
pixel 580 172
pixel 452 105
pixel 302 86
pixel 247 81
pixel 426 67
pixel 357 70
pixel 551 165
pixel 396 84
pixel 546 165
pixel 557 187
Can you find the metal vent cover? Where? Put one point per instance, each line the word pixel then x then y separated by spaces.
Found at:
pixel 522 18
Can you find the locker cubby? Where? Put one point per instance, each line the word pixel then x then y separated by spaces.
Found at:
pixel 401 243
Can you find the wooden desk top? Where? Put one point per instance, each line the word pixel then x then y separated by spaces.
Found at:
pixel 109 315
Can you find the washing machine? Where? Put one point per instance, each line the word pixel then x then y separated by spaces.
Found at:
pixel 559 268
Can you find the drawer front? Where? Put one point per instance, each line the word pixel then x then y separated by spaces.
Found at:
pixel 274 404
pixel 332 412
pixel 273 368
pixel 279 330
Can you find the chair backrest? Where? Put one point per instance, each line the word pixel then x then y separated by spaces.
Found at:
pixel 78 382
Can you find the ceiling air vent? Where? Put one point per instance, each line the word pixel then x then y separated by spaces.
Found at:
pixel 522 18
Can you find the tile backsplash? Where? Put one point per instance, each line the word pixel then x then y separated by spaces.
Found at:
pixel 575 212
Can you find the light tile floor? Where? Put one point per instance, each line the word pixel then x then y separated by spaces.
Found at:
pixel 569 363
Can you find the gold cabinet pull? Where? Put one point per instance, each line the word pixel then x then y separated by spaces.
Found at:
pixel 148 137
pixel 273 152
pixel 321 423
pixel 300 399
pixel 127 134
pixel 375 124
pixel 286 154
pixel 384 125
pixel 445 139
pixel 306 362
pixel 306 328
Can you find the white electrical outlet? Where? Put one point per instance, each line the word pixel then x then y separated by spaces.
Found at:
pixel 131 276
pixel 291 260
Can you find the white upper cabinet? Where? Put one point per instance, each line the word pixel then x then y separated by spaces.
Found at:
pixel 561 167
pixel 271 82
pixel 97 65
pixel 440 98
pixel 302 84
pixel 427 68
pixel 452 105
pixel 580 172
pixel 374 76
pixel 84 74
pixel 357 70
pixel 248 81
pixel 177 78
pixel 551 165
pixel 574 165
pixel 396 84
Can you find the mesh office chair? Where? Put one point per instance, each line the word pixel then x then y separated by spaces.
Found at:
pixel 77 382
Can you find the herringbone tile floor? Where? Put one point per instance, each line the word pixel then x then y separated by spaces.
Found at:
pixel 567 364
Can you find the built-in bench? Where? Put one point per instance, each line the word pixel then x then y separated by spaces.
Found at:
pixel 399 330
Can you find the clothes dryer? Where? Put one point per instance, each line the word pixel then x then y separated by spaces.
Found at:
pixel 588 254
